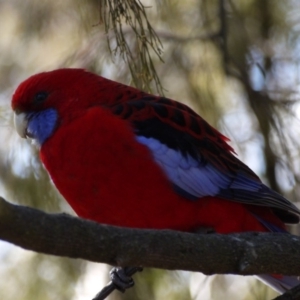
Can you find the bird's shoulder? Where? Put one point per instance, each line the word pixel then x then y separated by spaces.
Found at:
pixel 180 128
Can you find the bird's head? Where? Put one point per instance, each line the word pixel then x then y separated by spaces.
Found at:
pixel 43 100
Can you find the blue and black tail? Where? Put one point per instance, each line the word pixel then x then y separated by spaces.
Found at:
pixel 280 283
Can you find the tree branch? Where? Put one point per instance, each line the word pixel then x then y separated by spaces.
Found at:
pixel 63 235
pixel 292 294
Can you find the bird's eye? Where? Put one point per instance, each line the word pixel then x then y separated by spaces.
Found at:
pixel 40 97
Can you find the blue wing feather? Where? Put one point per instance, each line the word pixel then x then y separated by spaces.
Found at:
pixel 196 178
pixel 195 156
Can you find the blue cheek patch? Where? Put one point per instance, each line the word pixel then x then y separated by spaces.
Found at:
pixel 42 124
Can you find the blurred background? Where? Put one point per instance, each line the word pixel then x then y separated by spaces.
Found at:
pixel 235 62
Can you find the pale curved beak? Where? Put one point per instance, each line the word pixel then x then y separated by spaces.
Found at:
pixel 21 123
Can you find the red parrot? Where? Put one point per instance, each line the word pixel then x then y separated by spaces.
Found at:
pixel 124 157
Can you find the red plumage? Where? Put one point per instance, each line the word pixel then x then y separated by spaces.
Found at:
pixel 119 184
pixel 98 163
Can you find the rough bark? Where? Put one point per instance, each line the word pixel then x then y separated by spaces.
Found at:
pixel 64 235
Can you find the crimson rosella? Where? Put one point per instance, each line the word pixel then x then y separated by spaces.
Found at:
pixel 124 157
